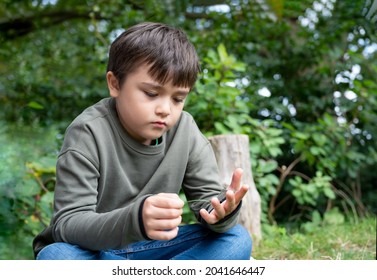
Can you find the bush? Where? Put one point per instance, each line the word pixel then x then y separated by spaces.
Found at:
pixel 27 171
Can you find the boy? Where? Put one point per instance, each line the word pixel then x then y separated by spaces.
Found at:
pixel 124 160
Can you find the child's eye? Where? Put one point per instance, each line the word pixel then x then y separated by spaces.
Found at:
pixel 150 94
pixel 179 100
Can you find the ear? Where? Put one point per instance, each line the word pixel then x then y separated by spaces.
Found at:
pixel 112 84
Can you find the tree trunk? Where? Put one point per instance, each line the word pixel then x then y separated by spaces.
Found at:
pixel 232 151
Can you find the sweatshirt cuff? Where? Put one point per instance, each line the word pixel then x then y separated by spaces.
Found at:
pixel 140 218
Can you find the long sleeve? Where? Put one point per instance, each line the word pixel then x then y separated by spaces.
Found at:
pixel 202 182
pixel 77 221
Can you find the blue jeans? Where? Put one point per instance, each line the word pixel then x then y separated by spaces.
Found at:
pixel 193 242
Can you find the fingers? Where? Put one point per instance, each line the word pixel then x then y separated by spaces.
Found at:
pixel 236 179
pixel 236 189
pixel 221 210
pixel 241 193
pixel 218 212
pixel 167 200
pixel 218 208
pixel 210 218
pixel 234 198
pixel 161 216
pixel 155 212
pixel 230 202
pixel 164 234
pixel 162 229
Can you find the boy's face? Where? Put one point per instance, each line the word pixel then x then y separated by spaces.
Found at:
pixel 146 108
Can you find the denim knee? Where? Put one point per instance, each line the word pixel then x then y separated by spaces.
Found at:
pixel 242 242
pixel 65 251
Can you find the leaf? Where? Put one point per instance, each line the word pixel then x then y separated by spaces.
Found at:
pixel 297 193
pixel 274 151
pixel 333 217
pixel 268 166
pixel 255 147
pixel 274 180
pixel 300 135
pixel 316 217
pixel 319 139
pixel 315 151
pixel 35 105
pixel 222 53
pixel 239 66
pixel 311 189
pixel 274 131
pixel 221 128
pixel 329 193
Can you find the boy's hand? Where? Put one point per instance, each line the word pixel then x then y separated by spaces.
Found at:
pixel 234 195
pixel 162 215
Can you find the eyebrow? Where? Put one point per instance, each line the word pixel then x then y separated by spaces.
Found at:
pixel 158 87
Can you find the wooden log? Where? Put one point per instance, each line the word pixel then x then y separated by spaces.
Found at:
pixel 231 152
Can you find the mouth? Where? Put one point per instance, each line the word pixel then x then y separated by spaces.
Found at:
pixel 159 124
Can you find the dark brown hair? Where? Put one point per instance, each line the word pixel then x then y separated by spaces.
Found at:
pixel 166 50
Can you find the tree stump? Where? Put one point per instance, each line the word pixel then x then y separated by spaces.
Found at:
pixel 231 152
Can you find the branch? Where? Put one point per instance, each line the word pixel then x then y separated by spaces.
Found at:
pixel 11 28
pixel 284 173
pixel 207 3
pixel 17 27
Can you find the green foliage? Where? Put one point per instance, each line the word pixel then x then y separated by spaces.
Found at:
pixel 216 101
pixel 308 193
pixel 26 189
pixel 331 217
pixel 325 240
pixel 219 106
pixel 297 77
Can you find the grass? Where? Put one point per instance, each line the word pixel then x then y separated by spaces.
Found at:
pixel 346 241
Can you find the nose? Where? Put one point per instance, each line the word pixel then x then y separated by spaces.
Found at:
pixel 163 107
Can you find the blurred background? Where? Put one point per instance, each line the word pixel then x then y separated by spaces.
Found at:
pixel 299 77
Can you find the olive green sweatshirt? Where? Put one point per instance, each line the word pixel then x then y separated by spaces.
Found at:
pixel 104 176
